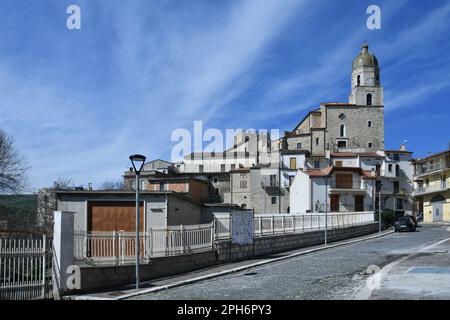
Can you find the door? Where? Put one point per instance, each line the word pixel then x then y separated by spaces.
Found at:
pixel 334 203
pixel 104 217
pixel 437 211
pixel 293 163
pixel 107 216
pixel 359 203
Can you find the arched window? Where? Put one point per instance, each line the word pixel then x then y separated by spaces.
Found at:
pixel 369 99
pixel 342 130
pixel 358 80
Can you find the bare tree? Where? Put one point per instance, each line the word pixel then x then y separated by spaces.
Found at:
pixel 63 184
pixel 13 166
pixel 112 185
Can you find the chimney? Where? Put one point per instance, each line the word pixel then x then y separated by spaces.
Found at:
pixel 402 147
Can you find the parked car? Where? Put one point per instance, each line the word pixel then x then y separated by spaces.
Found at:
pixel 405 223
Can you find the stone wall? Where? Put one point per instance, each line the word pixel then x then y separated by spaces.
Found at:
pixel 275 244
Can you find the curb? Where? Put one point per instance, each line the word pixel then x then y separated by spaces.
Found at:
pixel 221 273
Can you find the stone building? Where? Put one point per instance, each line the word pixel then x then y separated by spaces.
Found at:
pixel 336 126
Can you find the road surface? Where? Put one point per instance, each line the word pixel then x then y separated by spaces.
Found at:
pixel 337 273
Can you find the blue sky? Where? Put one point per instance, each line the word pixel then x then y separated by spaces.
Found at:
pixel 79 102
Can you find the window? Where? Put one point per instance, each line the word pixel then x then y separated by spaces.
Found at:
pixel 222 168
pixel 342 116
pixel 342 144
pixel 390 168
pixel 317 141
pixel 200 168
pixel 369 99
pixel 342 130
pixel 338 163
pixel 243 184
pixel 162 186
pixel 215 180
pixel 213 154
pixel 358 80
pixel 293 163
pixel 399 204
pixel 396 187
pixel 299 145
pixel 233 166
pixel 273 180
pixel 317 164
pixel 369 124
pixel 247 138
pixel 369 145
pixel 274 200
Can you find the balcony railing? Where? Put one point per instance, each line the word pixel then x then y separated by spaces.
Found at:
pixel 424 169
pixel 342 208
pixel 347 185
pixel 433 188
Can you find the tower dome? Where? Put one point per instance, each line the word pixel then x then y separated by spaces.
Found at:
pixel 365 59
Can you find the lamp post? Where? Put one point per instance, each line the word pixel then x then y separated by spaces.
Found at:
pixel 326 210
pixel 137 161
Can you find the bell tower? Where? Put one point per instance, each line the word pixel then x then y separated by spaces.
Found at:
pixel 366 88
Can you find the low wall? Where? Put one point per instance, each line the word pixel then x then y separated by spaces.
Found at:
pixel 97 278
pixel 110 277
pixel 275 244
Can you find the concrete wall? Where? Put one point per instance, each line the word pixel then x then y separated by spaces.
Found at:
pixel 183 212
pixel 300 194
pixel 111 277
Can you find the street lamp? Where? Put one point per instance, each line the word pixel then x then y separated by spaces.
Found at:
pixel 137 161
pixel 326 210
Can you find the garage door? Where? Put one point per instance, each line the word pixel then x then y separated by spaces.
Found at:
pixel 114 216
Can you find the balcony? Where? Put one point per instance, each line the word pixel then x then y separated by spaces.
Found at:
pixel 430 168
pixel 320 207
pixel 336 186
pixel 439 187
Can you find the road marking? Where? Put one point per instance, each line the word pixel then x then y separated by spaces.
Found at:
pixel 367 291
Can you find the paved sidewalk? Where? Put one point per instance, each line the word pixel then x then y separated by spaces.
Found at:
pixel 422 275
pixel 215 271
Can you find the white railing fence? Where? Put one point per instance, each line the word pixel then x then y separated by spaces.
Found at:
pixel 268 224
pixel 25 268
pixel 118 247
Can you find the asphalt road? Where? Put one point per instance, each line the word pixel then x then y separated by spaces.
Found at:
pixel 336 273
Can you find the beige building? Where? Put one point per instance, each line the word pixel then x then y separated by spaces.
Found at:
pixel 432 186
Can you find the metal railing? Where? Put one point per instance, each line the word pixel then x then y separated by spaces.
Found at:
pixel 431 167
pixel 277 224
pixel 438 187
pixel 351 185
pixel 118 247
pixel 342 208
pixel 25 268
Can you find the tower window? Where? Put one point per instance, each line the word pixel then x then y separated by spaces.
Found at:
pixel 299 145
pixel 342 144
pixel 358 80
pixel 369 99
pixel 369 144
pixel 317 141
pixel 342 130
pixel 369 124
